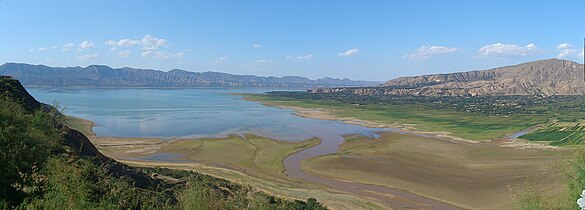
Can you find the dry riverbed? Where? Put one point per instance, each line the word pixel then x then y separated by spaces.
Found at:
pixel 475 176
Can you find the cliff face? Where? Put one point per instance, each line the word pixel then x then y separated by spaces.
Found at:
pixel 544 78
pixel 104 76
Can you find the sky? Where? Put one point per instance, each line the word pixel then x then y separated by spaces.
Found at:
pixel 360 40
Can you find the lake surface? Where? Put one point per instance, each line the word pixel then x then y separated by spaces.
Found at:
pixel 186 113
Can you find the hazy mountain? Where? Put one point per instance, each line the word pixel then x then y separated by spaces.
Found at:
pixel 544 77
pixel 105 76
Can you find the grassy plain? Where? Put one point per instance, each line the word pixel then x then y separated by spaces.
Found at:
pixel 559 133
pixel 471 126
pixel 472 175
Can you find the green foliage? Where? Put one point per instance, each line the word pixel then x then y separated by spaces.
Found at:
pixel 26 140
pixel 76 183
pixel 207 192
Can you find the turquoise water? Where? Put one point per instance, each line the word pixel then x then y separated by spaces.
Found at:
pixel 186 113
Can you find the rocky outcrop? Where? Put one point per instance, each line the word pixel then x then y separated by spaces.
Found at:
pixel 105 76
pixel 542 78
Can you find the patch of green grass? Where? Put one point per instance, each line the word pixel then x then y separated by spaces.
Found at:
pixel 559 134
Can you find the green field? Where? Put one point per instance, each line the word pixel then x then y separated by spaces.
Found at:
pixel 472 126
pixel 559 134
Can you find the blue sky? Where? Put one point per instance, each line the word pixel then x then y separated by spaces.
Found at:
pixel 368 40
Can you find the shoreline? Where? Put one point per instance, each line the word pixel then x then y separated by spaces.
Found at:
pixel 509 140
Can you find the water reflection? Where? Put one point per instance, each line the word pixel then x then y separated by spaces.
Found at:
pixel 186 113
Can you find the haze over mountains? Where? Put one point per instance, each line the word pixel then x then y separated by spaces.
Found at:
pixel 542 78
pixel 105 76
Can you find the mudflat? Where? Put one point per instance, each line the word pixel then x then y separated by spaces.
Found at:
pixel 471 175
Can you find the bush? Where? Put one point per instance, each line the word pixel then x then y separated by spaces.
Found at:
pixel 26 140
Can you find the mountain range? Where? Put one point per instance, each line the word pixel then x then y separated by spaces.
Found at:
pixel 105 76
pixel 540 78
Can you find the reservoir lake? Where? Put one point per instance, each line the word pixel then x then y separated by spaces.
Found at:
pixel 186 113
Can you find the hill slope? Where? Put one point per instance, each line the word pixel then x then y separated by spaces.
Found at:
pixel 105 76
pixel 544 77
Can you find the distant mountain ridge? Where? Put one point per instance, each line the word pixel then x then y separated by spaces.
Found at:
pixel 105 76
pixel 542 78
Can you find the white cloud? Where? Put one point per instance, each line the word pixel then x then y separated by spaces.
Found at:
pixel 351 52
pixel 257 46
pixel 67 46
pixel 87 57
pixel 568 51
pixel 39 49
pixel 428 51
pixel 508 50
pixel 70 44
pixel 564 46
pixel 300 57
pixel 125 53
pixel 160 54
pixel 150 47
pixel 262 61
pixel 86 45
pixel 123 43
pixel 147 42
pixel 223 58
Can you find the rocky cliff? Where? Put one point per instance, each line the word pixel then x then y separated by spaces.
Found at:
pixel 543 78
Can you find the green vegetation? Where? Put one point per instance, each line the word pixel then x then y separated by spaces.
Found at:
pixel 26 140
pixel 566 133
pixel 474 118
pixel 41 170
